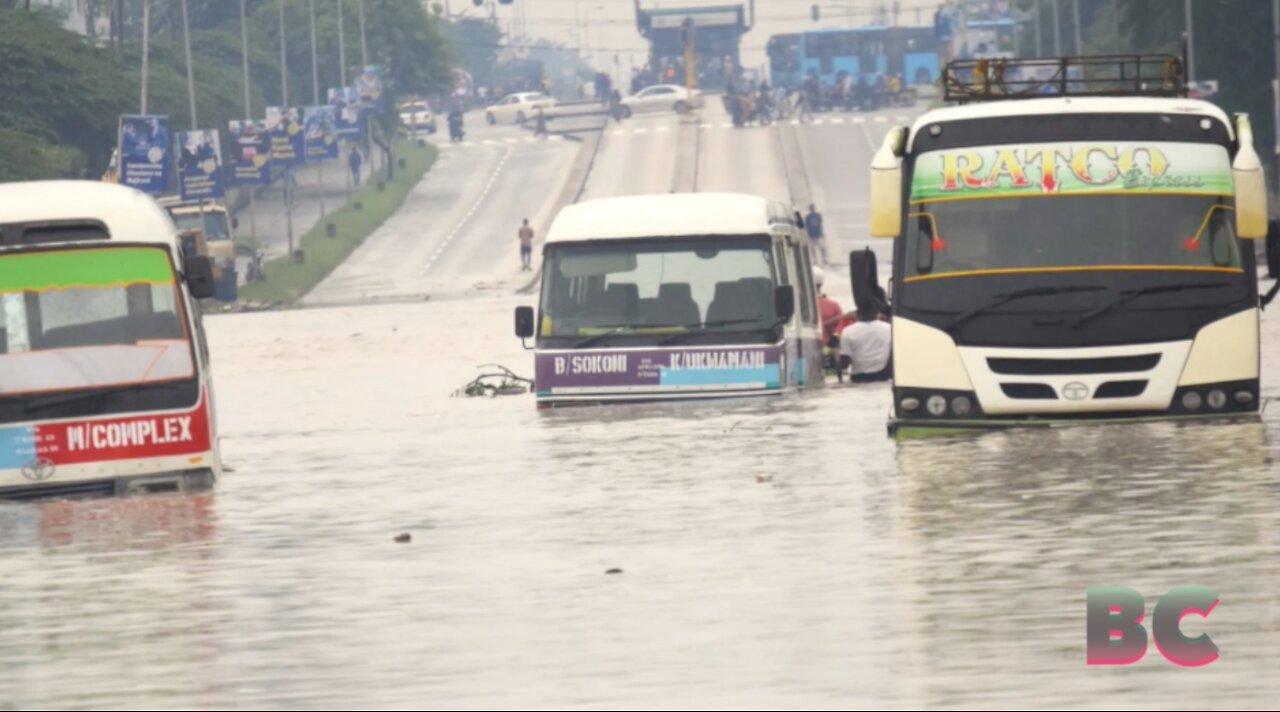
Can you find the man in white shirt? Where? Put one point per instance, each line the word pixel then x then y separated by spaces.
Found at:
pixel 866 347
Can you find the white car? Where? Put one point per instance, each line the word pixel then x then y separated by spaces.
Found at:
pixel 518 108
pixel 417 116
pixel 660 97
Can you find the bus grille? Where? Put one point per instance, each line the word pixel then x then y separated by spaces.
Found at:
pixel 1072 366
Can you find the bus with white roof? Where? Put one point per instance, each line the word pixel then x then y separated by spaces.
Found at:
pixel 676 296
pixel 105 385
pixel 1070 251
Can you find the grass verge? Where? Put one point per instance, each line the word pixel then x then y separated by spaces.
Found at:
pixel 288 282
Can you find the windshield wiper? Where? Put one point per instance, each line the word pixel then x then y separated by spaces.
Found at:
pixel 702 327
pixel 57 400
pixel 612 331
pixel 1129 295
pixel 1002 299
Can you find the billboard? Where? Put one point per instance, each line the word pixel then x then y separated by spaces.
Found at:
pixel 348 118
pixel 287 138
pixel 200 166
pixel 320 133
pixel 251 152
pixel 145 153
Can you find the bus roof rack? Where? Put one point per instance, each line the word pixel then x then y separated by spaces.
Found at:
pixel 999 79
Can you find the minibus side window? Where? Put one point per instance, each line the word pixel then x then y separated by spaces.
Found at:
pixel 805 293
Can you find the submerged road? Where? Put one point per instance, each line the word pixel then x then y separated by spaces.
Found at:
pixel 769 552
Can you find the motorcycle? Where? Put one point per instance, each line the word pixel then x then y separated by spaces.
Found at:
pixel 456 133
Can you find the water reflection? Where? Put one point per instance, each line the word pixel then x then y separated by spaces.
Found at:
pixel 774 551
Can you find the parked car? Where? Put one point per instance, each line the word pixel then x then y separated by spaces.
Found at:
pixel 417 116
pixel 518 108
pixel 660 97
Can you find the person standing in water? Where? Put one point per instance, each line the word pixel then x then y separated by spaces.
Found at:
pixel 526 246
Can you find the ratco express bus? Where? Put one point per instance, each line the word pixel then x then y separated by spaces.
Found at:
pixel 704 295
pixel 104 372
pixel 1075 257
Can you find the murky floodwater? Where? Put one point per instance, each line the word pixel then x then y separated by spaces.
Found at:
pixel 858 573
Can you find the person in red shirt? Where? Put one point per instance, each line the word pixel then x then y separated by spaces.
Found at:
pixel 830 313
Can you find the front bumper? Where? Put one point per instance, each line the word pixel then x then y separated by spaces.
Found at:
pixel 179 482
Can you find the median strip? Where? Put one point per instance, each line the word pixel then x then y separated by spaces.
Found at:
pixel 288 281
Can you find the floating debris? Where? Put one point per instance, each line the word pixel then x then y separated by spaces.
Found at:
pixel 613 571
pixel 404 538
pixel 505 383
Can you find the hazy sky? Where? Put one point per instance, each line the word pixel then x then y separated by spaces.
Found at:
pixel 610 25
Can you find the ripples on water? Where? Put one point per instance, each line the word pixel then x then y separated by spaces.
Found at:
pixel 774 552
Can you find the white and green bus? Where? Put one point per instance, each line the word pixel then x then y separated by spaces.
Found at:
pixel 1072 257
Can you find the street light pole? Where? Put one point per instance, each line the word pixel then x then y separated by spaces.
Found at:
pixel 1039 52
pixel 315 97
pixel 1075 22
pixel 364 38
pixel 1057 29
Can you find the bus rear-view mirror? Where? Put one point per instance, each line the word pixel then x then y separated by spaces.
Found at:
pixel 886 187
pixel 864 278
pixel 1250 185
pixel 198 270
pixel 784 302
pixel 524 322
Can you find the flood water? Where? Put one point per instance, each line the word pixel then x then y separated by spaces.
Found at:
pixel 773 552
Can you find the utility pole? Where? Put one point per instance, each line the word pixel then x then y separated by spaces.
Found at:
pixel 1057 29
pixel 1191 44
pixel 1075 22
pixel 284 91
pixel 1039 51
pixel 191 77
pixel 364 38
pixel 248 115
pixel 342 74
pixel 315 97
pixel 146 51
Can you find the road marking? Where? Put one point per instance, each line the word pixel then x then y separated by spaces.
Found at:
pixel 490 142
pixel 618 132
pixel 795 122
pixel 726 125
pixel 529 139
pixel 512 140
pixel 706 126
pixel 871 143
pixel 640 131
pixel 662 129
pixel 859 119
pixel 882 119
pixel 838 120
pixel 484 195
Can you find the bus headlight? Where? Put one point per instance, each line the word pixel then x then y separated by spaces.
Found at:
pixel 937 406
pixel 961 405
pixel 1191 400
pixel 910 404
pixel 1217 398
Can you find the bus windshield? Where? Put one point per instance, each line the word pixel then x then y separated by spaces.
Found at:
pixel 1059 207
pixel 658 287
pixel 83 319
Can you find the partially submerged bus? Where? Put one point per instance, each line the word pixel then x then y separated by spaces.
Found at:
pixel 104 372
pixel 1083 257
pixel 675 296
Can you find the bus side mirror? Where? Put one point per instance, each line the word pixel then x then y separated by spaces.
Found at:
pixel 199 273
pixel 524 322
pixel 1250 184
pixel 886 186
pixel 784 302
pixel 865 279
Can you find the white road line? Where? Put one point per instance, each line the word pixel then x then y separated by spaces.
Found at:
pixel 512 140
pixel 484 195
pixel 661 129
pixel 837 121
pixel 490 142
pixel 529 139
pixel 726 125
pixel 618 132
pixel 882 119
pixel 795 122
pixel 641 131
pixel 871 143
pixel 706 126
pixel 859 119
